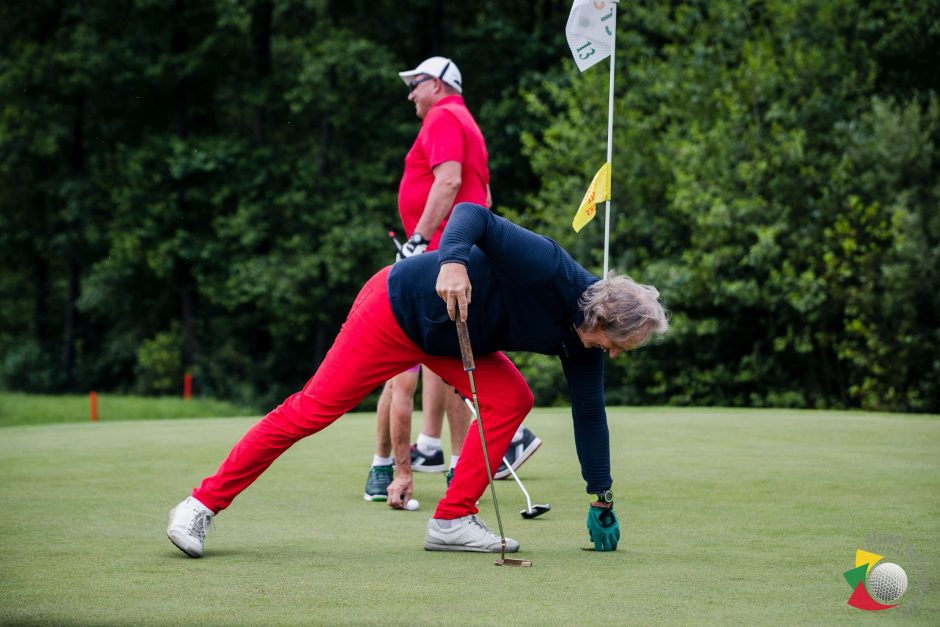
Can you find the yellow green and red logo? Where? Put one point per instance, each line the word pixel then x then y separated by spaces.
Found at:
pixel 874 587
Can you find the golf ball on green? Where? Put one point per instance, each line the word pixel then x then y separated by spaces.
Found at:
pixel 412 505
pixel 887 582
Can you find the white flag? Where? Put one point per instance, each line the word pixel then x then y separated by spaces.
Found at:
pixel 590 31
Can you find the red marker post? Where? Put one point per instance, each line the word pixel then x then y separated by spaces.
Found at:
pixel 187 386
pixel 93 402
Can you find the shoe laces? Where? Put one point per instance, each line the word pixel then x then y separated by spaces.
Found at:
pixel 479 523
pixel 202 522
pixel 382 470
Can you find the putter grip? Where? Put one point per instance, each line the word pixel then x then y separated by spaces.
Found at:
pixel 466 352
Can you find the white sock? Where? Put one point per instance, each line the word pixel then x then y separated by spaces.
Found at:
pixel 518 435
pixel 428 445
pixel 453 461
pixel 382 461
pixel 202 505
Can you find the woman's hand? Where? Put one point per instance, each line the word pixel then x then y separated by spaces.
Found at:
pixel 453 286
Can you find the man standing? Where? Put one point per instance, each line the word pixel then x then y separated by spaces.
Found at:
pixel 516 291
pixel 447 164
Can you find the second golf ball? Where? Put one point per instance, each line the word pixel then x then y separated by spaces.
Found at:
pixel 412 505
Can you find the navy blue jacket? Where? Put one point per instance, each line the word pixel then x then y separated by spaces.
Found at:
pixel 525 298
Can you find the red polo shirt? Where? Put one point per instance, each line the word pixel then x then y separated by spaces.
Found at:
pixel 448 133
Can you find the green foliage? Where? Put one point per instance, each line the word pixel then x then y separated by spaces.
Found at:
pixel 544 376
pixel 160 362
pixel 784 204
pixel 203 187
pixel 25 367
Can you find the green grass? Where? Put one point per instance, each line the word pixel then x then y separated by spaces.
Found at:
pixel 31 409
pixel 729 517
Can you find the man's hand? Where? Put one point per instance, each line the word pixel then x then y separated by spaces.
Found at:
pixel 415 245
pixel 399 491
pixel 453 286
pixel 603 527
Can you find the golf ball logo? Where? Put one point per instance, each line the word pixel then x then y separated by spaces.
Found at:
pixel 876 586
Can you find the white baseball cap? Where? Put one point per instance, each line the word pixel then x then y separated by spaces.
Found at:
pixel 438 67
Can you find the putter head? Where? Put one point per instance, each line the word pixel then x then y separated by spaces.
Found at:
pixel 536 511
pixel 508 561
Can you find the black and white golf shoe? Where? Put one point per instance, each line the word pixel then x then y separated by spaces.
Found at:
pixel 427 463
pixel 518 452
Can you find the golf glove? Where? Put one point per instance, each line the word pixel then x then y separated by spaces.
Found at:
pixel 603 528
pixel 415 245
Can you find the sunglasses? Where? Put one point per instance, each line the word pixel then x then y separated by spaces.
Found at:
pixel 413 84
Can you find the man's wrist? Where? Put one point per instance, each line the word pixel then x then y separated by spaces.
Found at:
pixel 403 463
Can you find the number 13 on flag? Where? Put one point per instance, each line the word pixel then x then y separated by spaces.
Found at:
pixel 590 31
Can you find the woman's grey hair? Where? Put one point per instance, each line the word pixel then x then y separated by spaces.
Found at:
pixel 628 312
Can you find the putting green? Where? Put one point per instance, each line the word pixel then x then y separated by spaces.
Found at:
pixel 728 516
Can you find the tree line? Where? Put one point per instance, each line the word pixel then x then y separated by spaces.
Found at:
pixel 203 186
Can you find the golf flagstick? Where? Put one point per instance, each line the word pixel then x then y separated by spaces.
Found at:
pixel 610 129
pixel 466 353
pixel 591 32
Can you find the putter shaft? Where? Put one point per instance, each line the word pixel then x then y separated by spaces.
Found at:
pixel 466 352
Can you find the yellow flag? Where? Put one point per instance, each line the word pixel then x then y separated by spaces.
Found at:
pixel 599 191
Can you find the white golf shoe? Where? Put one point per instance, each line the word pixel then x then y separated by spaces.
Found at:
pixel 464 534
pixel 189 522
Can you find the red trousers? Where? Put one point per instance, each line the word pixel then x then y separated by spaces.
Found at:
pixel 370 349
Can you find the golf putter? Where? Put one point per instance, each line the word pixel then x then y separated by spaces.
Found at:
pixel 466 352
pixel 530 511
pixel 533 511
